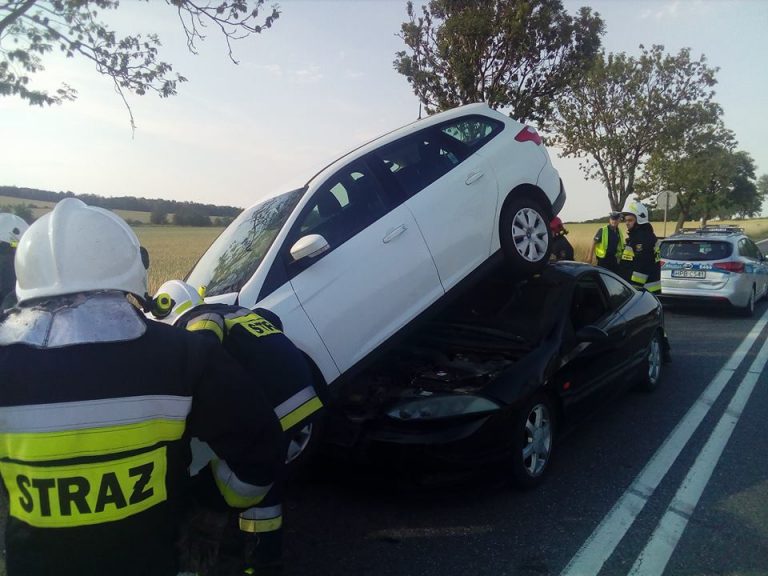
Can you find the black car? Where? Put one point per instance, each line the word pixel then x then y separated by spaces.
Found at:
pixel 510 360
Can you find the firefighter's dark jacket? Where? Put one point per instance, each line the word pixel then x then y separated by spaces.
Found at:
pixel 256 340
pixel 640 262
pixel 94 448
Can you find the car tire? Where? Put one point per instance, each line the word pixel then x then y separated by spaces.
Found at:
pixel 533 428
pixel 650 375
pixel 749 309
pixel 524 235
pixel 303 445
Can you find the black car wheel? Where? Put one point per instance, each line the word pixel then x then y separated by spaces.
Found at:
pixel 651 367
pixel 524 235
pixel 534 428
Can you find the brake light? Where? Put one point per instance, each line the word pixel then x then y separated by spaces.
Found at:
pixel 730 266
pixel 528 134
pixel 662 263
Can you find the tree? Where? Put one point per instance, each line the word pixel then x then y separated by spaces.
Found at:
pixel 625 109
pixel 31 29
pixel 509 53
pixel 190 215
pixel 158 216
pixel 708 175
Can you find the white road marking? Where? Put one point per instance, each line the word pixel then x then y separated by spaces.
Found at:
pixel 656 554
pixel 590 558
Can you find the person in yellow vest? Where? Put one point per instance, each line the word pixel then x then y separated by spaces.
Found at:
pixel 607 245
pixel 97 405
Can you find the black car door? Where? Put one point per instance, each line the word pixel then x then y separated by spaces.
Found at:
pixel 591 362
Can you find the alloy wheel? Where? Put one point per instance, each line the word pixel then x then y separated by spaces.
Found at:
pixel 537 445
pixel 298 443
pixel 654 361
pixel 530 234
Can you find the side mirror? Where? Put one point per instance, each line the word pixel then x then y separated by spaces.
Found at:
pixel 309 246
pixel 592 334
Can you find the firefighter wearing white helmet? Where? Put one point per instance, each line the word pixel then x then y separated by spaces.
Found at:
pixel 97 405
pixel 255 339
pixel 11 229
pixel 640 262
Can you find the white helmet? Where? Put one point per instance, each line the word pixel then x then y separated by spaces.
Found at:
pixel 78 248
pixel 11 228
pixel 637 209
pixel 173 299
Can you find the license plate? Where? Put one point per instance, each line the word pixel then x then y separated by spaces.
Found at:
pixel 689 274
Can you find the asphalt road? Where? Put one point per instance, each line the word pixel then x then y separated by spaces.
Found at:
pixel 674 482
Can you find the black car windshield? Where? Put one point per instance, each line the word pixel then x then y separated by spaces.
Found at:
pixel 695 250
pixel 236 254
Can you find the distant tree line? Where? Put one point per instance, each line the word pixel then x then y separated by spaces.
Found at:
pixel 184 213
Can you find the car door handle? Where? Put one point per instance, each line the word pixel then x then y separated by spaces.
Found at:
pixel 392 234
pixel 474 177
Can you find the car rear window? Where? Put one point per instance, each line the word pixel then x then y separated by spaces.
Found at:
pixel 696 250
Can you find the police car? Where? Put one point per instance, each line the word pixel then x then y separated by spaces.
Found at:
pixel 713 264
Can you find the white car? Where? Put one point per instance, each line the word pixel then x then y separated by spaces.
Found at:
pixel 382 233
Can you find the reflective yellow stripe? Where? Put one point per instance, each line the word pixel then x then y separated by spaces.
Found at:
pixel 628 253
pixel 236 493
pixel 247 525
pixel 85 494
pixel 41 446
pixel 302 412
pixel 653 287
pixel 252 322
pixel 14 244
pixel 183 308
pixel 639 277
pixel 207 325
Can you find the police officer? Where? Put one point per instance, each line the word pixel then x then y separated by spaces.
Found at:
pixel 278 368
pixel 11 229
pixel 97 404
pixel 640 263
pixel 608 244
pixel 561 249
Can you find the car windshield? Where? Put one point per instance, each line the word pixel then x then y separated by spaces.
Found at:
pixel 235 255
pixel 695 250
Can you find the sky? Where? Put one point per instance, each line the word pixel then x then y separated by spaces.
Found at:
pixel 316 85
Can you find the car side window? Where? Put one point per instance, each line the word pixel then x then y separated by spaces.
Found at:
pixel 618 292
pixel 418 160
pixel 588 305
pixel 472 131
pixel 347 203
pixel 752 251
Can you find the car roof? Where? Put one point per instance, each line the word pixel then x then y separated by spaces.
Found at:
pixel 480 108
pixel 722 233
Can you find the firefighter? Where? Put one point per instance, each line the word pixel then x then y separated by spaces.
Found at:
pixel 11 229
pixel 640 262
pixel 608 244
pixel 97 405
pixel 561 248
pixel 256 340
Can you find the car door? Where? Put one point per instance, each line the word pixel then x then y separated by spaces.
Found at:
pixel 377 273
pixel 592 366
pixel 451 192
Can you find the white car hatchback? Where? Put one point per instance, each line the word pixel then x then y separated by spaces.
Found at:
pixel 381 234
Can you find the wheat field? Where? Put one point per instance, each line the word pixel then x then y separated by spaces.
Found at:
pixel 173 250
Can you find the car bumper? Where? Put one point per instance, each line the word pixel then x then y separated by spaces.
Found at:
pixel 471 442
pixel 734 293
pixel 559 202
